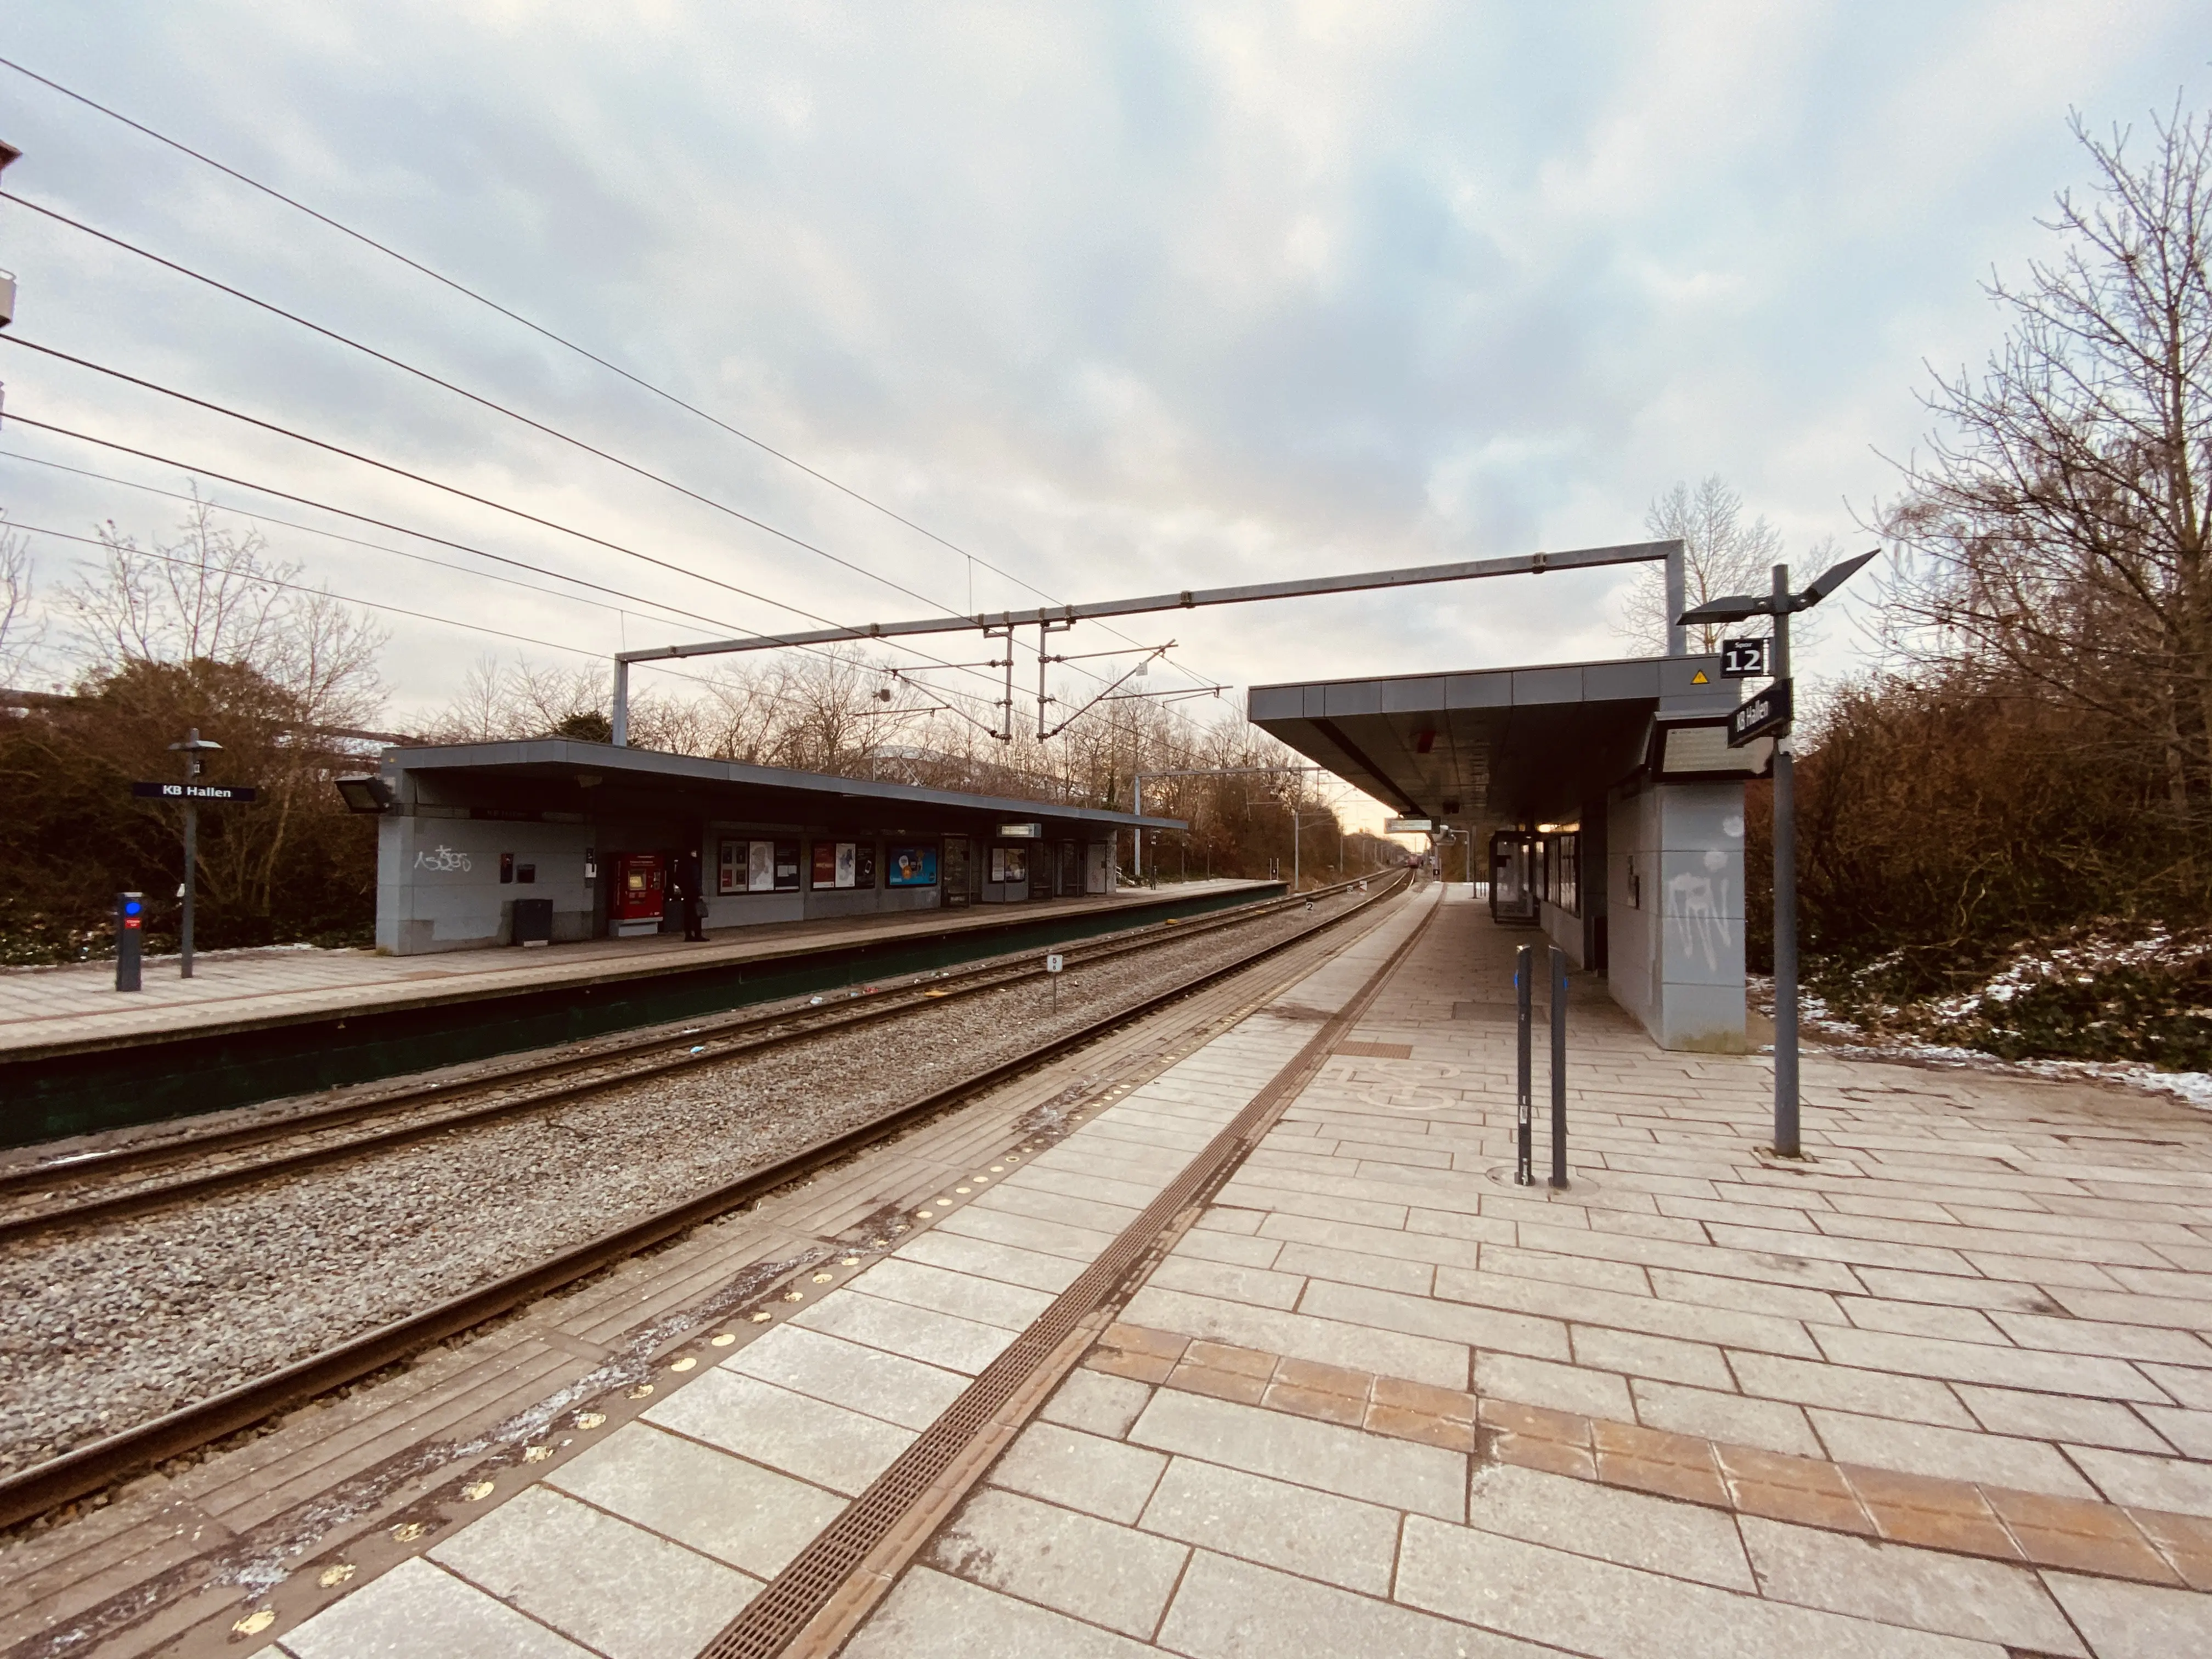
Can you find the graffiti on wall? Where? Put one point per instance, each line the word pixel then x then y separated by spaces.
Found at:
pixel 1700 903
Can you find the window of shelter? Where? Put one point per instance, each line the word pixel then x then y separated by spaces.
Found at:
pixel 1563 867
pixel 758 866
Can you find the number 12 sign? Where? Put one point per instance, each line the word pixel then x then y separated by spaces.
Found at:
pixel 1744 659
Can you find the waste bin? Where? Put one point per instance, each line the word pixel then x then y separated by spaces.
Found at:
pixel 533 921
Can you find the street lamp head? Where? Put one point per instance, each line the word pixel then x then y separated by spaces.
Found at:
pixel 1833 578
pixel 1734 608
pixel 194 741
pixel 8 153
pixel 1737 607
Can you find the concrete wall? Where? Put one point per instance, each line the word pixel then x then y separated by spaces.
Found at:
pixel 1675 896
pixel 438 886
pixel 1565 929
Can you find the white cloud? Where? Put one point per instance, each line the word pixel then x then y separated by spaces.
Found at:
pixel 1122 298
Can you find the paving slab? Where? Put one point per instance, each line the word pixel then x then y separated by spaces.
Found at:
pixel 739 1512
pixel 419 1609
pixel 610 1585
pixel 1072 1563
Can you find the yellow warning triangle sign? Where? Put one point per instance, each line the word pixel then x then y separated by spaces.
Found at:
pixel 1699 679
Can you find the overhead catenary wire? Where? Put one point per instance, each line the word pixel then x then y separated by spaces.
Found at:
pixel 325 445
pixel 538 328
pixel 497 407
pixel 268 580
pixel 20 419
pixel 632 602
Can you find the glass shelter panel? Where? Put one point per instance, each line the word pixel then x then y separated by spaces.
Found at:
pixel 1514 873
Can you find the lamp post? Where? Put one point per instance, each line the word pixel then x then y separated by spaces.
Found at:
pixel 193 747
pixel 1780 603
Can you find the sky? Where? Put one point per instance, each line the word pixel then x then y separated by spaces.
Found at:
pixel 1118 299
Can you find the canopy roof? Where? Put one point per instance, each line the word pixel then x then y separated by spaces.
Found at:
pixel 567 774
pixel 1505 745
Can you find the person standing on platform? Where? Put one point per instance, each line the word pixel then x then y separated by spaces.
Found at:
pixel 689 878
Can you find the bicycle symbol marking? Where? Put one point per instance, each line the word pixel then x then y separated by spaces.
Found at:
pixel 445 858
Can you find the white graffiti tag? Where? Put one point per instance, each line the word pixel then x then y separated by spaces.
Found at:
pixel 445 858
pixel 1692 901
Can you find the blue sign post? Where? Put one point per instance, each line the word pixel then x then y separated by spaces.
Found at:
pixel 129 940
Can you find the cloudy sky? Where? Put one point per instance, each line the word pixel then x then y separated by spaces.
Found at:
pixel 1116 298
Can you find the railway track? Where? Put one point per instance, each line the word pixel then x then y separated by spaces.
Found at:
pixel 99 1186
pixel 88 1467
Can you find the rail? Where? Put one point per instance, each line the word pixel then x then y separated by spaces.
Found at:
pixel 88 1468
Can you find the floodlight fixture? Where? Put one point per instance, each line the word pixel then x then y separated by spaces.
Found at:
pixel 1740 607
pixel 1734 608
pixel 369 794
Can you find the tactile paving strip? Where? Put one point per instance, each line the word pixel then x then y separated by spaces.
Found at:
pixel 779 1613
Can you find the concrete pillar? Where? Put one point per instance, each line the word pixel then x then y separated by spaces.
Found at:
pixel 1675 912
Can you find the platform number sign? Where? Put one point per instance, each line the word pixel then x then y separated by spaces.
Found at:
pixel 1052 963
pixel 1744 659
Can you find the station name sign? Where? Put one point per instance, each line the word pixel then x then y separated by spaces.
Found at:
pixel 1409 827
pixel 238 792
pixel 1767 711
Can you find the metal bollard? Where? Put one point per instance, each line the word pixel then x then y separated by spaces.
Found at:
pixel 129 938
pixel 1559 1067
pixel 1524 972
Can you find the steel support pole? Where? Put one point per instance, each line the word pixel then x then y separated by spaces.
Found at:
pixel 1678 591
pixel 192 875
pixel 1559 1067
pixel 1786 897
pixel 619 723
pixel 1139 832
pixel 1524 1096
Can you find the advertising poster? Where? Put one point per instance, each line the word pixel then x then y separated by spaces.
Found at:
pixel 913 866
pixel 863 864
pixel 760 867
pixel 998 863
pixel 844 866
pixel 1018 864
pixel 824 873
pixel 785 866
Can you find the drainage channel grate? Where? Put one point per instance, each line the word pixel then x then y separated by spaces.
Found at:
pixel 781 1611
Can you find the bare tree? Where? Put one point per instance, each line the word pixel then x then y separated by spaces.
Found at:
pixel 2053 535
pixel 21 633
pixel 1723 552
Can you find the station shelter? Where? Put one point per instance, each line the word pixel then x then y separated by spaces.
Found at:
pixel 496 843
pixel 1600 800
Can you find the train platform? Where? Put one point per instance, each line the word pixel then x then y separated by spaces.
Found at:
pixel 1237 1337
pixel 80 1059
pixel 59 1009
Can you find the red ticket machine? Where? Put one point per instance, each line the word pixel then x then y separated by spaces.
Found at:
pixel 637 889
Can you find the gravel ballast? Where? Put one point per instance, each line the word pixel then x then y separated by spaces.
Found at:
pixel 110 1324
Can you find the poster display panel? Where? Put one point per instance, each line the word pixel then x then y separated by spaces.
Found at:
pixel 863 864
pixel 825 873
pixel 913 865
pixel 1016 862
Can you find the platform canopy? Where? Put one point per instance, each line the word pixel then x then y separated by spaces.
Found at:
pixel 533 775
pixel 1505 745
